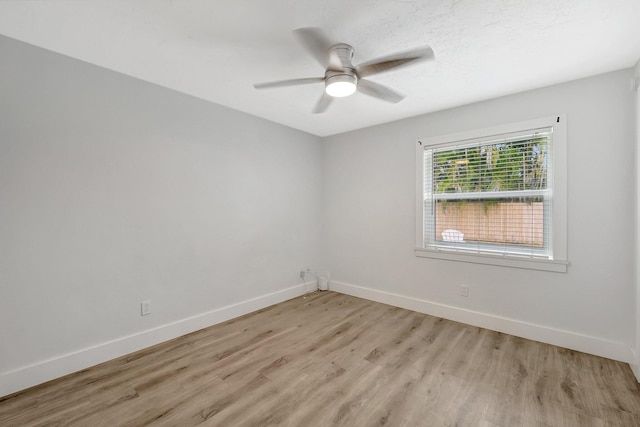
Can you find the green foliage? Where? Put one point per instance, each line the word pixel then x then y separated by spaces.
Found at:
pixel 504 166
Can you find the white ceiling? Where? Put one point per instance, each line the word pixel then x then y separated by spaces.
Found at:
pixel 216 49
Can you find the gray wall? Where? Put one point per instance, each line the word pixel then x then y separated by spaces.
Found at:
pixel 114 191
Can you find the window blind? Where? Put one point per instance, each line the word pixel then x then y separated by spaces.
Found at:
pixel 490 195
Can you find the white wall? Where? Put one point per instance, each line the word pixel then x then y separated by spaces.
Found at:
pixel 369 193
pixel 114 191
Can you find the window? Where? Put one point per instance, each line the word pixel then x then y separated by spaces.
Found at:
pixel 495 196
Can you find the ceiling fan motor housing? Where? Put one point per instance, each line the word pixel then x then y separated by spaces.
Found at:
pixel 341 78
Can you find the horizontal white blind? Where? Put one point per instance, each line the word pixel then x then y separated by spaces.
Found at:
pixel 490 195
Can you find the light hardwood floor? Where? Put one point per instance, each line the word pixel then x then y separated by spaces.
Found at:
pixel 335 360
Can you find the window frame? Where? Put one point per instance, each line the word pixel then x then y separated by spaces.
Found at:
pixel 558 246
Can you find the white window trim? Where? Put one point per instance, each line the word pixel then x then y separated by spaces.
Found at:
pixel 559 219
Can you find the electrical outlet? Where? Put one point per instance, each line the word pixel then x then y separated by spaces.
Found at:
pixel 464 290
pixel 303 272
pixel 145 308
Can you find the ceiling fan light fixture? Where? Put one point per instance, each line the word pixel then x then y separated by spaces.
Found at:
pixel 340 85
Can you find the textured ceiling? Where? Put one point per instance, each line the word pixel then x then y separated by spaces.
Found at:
pixel 216 50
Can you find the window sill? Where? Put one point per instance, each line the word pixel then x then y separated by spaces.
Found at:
pixel 556 266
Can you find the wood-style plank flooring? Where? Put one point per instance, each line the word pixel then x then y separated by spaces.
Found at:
pixel 335 360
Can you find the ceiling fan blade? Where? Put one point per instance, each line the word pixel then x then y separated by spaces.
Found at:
pixel 316 43
pixel 379 91
pixel 323 103
pixel 291 82
pixel 397 60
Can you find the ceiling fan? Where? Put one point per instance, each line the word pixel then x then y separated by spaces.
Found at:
pixel 341 77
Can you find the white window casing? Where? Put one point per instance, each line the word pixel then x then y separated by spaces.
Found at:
pixel 521 223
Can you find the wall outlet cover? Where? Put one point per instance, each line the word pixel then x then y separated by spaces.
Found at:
pixel 145 308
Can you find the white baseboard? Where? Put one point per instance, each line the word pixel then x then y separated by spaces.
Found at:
pixel 635 367
pixel 46 370
pixel 567 339
pixel 635 370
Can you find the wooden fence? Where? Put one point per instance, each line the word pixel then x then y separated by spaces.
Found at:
pixel 518 223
